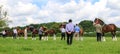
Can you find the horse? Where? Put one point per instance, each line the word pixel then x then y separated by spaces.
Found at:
pixel 81 33
pixel 20 32
pixel 9 33
pixel 49 32
pixel 106 28
pixel 33 31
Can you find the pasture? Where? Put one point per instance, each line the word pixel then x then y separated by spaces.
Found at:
pixel 88 46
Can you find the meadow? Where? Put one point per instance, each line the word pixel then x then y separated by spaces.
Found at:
pixel 88 46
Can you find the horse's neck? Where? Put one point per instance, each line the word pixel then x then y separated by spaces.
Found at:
pixel 103 25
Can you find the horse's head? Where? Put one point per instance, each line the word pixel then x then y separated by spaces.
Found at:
pixel 18 29
pixel 62 26
pixel 30 28
pixel 98 21
pixel 44 28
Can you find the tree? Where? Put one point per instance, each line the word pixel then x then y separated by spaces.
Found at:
pixel 3 17
pixel 87 25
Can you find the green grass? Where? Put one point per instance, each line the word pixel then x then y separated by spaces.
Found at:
pixel 88 46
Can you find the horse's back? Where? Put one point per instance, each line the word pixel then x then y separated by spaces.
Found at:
pixel 35 31
pixel 52 32
pixel 109 28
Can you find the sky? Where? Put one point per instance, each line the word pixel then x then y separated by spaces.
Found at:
pixel 25 12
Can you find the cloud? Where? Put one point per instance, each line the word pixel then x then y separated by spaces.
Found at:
pixel 24 9
pixel 114 4
pixel 42 11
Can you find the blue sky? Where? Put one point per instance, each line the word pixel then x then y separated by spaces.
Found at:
pixel 25 12
pixel 41 3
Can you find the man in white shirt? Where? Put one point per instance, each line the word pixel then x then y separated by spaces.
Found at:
pixel 4 33
pixel 14 33
pixel 62 29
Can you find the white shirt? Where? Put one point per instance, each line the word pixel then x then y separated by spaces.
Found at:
pixel 15 31
pixel 3 32
pixel 62 29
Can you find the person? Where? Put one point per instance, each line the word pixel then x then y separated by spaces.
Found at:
pixel 69 30
pixel 14 33
pixel 62 29
pixel 98 31
pixel 77 31
pixel 4 33
pixel 40 33
pixel 25 33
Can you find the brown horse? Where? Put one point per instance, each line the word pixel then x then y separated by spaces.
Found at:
pixel 81 33
pixel 9 33
pixel 107 28
pixel 81 30
pixel 49 32
pixel 33 31
pixel 20 32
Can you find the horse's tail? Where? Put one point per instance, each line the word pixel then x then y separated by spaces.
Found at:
pixel 81 32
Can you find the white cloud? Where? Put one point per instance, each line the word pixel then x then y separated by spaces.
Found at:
pixel 55 10
pixel 114 4
pixel 25 9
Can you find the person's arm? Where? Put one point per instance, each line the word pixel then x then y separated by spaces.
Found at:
pixel 66 28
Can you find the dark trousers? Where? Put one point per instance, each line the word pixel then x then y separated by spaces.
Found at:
pixel 40 36
pixel 99 35
pixel 69 38
pixel 4 35
pixel 62 36
pixel 14 36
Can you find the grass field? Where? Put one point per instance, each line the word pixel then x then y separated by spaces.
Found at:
pixel 87 46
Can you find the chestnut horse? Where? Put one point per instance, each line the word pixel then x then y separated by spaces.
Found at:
pixel 81 31
pixel 107 28
pixel 49 32
pixel 20 32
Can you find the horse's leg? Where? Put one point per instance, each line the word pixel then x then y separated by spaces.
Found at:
pixel 54 37
pixel 42 37
pixel 114 36
pixel 18 35
pixel 47 37
pixel 32 36
pixel 81 37
pixel 35 37
pixel 103 37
